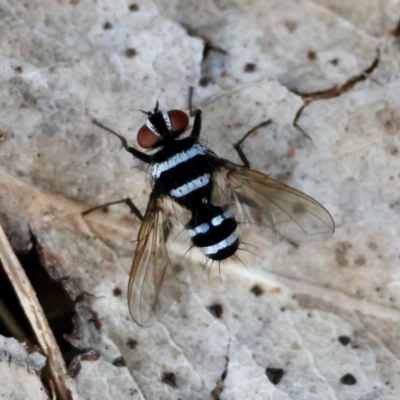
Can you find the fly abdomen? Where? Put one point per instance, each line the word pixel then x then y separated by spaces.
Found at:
pixel 216 237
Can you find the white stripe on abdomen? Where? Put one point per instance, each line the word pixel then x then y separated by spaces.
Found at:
pixel 205 226
pixel 219 246
pixel 202 228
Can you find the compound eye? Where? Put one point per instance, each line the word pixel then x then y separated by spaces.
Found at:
pixel 179 120
pixel 146 138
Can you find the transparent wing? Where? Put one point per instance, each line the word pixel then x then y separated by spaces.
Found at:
pixel 154 282
pixel 261 200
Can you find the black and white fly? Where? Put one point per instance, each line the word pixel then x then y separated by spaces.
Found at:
pixel 217 193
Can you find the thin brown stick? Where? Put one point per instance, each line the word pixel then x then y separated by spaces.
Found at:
pixel 34 312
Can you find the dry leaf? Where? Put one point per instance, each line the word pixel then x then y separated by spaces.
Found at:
pixel 325 314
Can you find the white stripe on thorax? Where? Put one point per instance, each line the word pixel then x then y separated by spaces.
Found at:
pixel 219 246
pixel 188 187
pixel 176 159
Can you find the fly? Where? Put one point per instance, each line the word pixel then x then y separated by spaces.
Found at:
pixel 217 193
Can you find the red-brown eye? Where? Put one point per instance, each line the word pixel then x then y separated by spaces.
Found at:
pixel 179 120
pixel 146 138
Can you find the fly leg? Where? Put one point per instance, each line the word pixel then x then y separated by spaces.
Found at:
pixel 128 201
pixel 190 101
pixel 197 117
pixel 238 145
pixel 136 153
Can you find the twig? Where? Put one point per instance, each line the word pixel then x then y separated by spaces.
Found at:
pixel 34 312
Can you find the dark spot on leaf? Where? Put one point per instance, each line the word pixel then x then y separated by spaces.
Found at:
pixel 117 291
pixel 291 25
pixel 132 343
pixel 257 290
pixel 107 26
pixel 216 310
pixel 119 362
pixel 169 378
pixel 18 70
pixel 311 55
pixel 360 261
pixel 341 253
pixel 133 7
pixel 344 340
pixel 130 53
pixel 348 379
pixel 204 81
pixel 250 67
pixel 335 61
pixel 373 246
pixel 274 374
